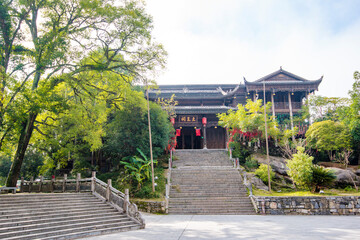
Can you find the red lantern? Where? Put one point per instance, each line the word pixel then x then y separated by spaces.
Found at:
pixel 178 132
pixel 204 121
pixel 198 133
pixel 172 120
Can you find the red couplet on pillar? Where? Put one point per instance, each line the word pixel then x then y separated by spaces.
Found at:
pixel 198 133
pixel 204 121
pixel 178 132
pixel 172 120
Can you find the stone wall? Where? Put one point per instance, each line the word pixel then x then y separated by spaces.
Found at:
pixel 337 205
pixel 150 206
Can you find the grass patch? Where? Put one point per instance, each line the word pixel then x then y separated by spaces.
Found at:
pixel 287 193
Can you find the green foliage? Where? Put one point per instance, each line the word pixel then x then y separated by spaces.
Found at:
pixel 5 163
pixel 128 130
pixel 138 168
pixel 33 162
pixel 241 151
pixel 250 118
pixel 262 173
pixel 329 136
pixel 251 163
pixel 146 190
pixel 300 168
pixel 321 178
pixel 320 108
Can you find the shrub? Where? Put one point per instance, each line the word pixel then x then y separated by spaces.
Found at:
pixel 251 163
pixel 300 168
pixel 321 177
pixel 240 151
pixel 262 173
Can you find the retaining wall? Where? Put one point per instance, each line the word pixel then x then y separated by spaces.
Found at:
pixel 150 206
pixel 337 205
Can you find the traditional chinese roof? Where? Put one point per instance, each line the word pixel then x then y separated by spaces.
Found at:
pixel 202 109
pixel 282 80
pixel 200 91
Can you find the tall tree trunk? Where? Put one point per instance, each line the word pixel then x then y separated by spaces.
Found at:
pixel 25 135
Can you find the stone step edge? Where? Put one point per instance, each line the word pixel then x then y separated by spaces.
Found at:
pixel 55 214
pixel 107 207
pixel 60 228
pixel 47 219
pixel 60 223
pixel 56 235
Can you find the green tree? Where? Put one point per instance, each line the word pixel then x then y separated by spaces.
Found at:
pixel 128 130
pixel 300 168
pixel 329 136
pixel 115 37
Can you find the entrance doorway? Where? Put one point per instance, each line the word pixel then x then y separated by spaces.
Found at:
pixel 188 139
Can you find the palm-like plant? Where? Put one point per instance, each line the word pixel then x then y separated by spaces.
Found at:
pixel 139 168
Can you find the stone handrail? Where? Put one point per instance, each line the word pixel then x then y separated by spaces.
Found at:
pixel 100 189
pixel 245 181
pixel 168 184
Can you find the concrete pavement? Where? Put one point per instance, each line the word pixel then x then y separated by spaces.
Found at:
pixel 171 227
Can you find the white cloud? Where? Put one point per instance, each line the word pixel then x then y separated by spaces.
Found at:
pixel 222 41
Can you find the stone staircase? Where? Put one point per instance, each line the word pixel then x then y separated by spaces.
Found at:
pixel 59 216
pixel 204 182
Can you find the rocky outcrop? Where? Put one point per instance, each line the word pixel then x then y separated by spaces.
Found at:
pixel 345 177
pixel 256 182
pixel 278 164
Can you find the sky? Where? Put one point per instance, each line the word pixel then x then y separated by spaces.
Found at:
pixel 223 41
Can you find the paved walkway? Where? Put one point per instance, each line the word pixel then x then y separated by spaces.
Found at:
pixel 171 227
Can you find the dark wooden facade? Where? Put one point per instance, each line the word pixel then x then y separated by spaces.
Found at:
pixel 285 90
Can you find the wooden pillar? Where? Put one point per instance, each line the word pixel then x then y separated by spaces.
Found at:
pixel 254 97
pixel 192 140
pixel 291 116
pixel 205 144
pixel 183 140
pixel 273 104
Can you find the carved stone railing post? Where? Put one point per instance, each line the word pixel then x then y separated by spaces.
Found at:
pixel 52 184
pixel 30 184
pixel 108 190
pixel 22 185
pixel 78 182
pixel 64 183
pixel 41 183
pixel 93 179
pixel 126 200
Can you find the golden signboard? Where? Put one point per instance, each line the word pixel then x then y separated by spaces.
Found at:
pixel 188 119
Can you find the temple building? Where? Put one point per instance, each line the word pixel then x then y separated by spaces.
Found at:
pixel 196 122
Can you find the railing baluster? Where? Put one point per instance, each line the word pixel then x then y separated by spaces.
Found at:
pixel 64 183
pixel 108 190
pixel 30 184
pixel 22 185
pixel 93 181
pixel 78 182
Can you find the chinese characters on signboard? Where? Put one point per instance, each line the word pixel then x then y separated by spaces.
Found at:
pixel 188 119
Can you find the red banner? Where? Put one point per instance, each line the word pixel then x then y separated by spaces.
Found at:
pixel 198 133
pixel 178 132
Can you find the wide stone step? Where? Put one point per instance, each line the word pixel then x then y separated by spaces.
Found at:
pixel 47 209
pixel 44 214
pixel 54 218
pixel 40 226
pixel 71 233
pixel 45 205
